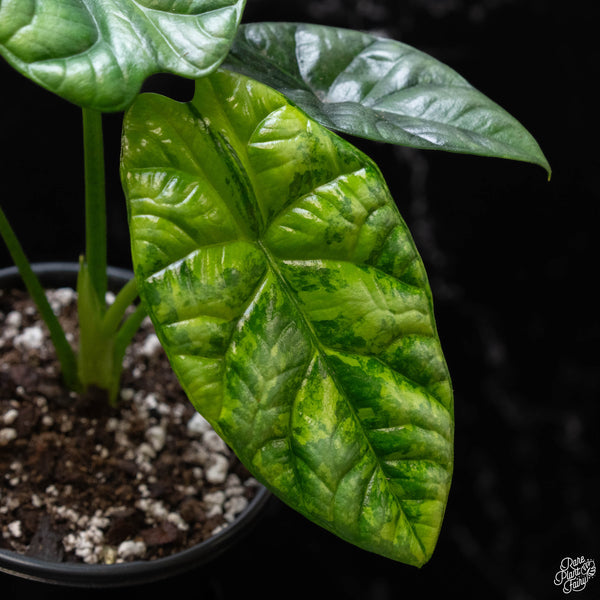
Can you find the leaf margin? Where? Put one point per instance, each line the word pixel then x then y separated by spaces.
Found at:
pixel 257 52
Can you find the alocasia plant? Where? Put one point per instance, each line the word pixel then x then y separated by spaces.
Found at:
pixel 281 279
pixel 290 298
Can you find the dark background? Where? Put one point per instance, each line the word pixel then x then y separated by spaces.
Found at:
pixel 513 263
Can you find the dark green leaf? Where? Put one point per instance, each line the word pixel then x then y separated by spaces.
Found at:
pixel 97 54
pixel 293 305
pixel 379 89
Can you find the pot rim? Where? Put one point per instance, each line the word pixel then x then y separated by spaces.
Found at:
pixel 128 573
pixel 135 572
pixel 46 270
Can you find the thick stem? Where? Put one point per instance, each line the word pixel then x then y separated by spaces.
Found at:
pixel 95 201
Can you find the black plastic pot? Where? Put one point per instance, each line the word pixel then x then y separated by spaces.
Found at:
pixel 122 574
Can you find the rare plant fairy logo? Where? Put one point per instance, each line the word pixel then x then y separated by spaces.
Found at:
pixel 574 573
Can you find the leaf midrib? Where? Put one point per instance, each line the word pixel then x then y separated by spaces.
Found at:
pixel 323 354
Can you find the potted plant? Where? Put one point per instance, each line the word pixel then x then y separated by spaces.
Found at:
pixel 280 278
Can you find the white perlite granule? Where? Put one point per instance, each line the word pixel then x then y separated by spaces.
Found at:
pixel 7 435
pixel 13 319
pixel 197 426
pixel 131 549
pixel 217 469
pixel 15 529
pixel 10 416
pixel 31 338
pixel 157 436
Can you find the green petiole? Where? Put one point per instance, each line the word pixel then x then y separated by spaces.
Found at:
pixel 95 200
pixel 64 351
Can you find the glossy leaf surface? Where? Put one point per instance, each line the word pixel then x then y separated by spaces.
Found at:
pixel 295 310
pixel 97 53
pixel 379 89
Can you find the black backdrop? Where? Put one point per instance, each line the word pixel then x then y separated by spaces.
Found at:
pixel 512 261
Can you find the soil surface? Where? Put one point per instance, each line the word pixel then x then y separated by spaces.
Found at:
pixel 82 481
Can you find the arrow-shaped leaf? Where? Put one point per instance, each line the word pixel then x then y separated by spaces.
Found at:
pixel 98 53
pixel 379 89
pixel 290 298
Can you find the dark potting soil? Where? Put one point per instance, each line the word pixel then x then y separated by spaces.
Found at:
pixel 81 481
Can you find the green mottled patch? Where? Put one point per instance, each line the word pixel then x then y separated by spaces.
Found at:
pixel 293 305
